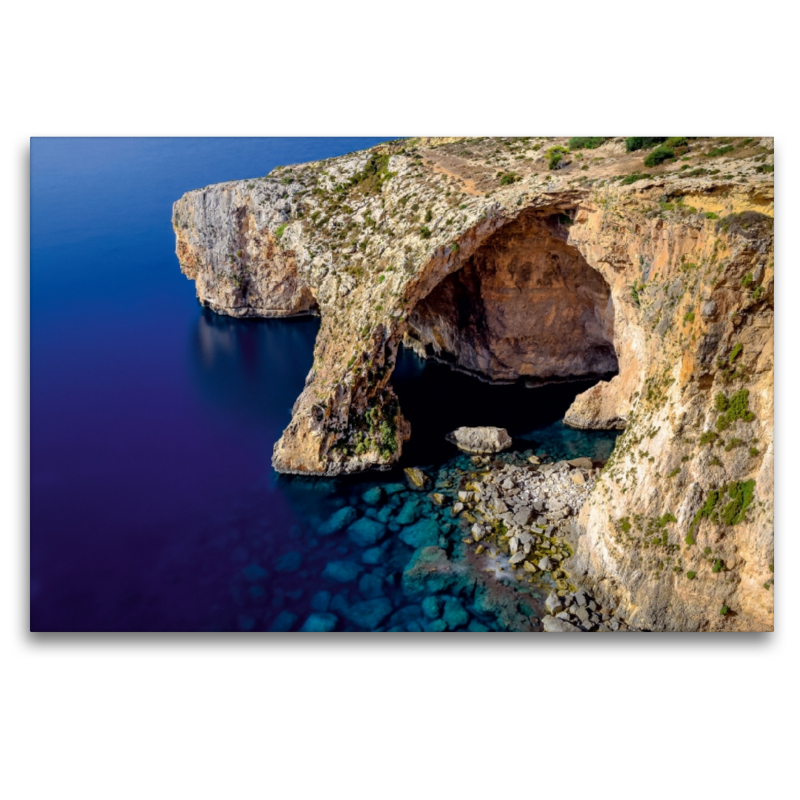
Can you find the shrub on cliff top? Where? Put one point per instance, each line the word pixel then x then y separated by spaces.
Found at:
pixel 586 142
pixel 658 156
pixel 643 142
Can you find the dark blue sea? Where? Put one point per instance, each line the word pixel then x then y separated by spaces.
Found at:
pixel 153 503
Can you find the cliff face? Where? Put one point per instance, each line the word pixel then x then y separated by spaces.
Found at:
pixel 475 251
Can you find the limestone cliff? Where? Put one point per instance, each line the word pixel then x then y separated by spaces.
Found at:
pixel 520 259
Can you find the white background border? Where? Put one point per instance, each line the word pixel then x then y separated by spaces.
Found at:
pixel 368 716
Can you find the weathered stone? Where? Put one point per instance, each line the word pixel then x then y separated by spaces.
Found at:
pixel 480 440
pixel 581 463
pixel 577 477
pixel 553 604
pixel 517 558
pixel 523 516
pixel 553 625
pixel 545 564
pixel 416 477
pixel 529 567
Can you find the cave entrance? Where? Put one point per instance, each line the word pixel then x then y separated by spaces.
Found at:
pixel 525 310
pixel 526 306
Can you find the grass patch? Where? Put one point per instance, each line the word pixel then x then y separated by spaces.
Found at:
pixel 280 229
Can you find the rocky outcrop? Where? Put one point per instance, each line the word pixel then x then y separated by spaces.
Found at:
pixel 475 252
pixel 480 440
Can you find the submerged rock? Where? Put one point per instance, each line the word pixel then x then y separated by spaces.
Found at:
pixel 371 585
pixel 430 571
pixel 338 521
pixel 410 511
pixel 432 607
pixel 373 496
pixel 342 571
pixel 321 600
pixel 370 613
pixel 424 533
pixel 454 614
pixel 480 440
pixel 319 623
pixel 366 532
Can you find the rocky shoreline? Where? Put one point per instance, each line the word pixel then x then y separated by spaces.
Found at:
pixel 520 519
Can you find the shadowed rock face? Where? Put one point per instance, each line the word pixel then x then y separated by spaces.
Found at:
pixel 525 305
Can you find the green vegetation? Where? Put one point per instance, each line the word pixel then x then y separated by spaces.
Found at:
pixel 707 437
pixel 711 215
pixel 733 408
pixel 586 142
pixel 689 539
pixel 724 610
pixel 643 142
pixel 428 215
pixel 747 279
pixel 737 348
pixel 658 156
pixel 717 565
pixel 741 494
pixel 753 452
pixel 507 178
pixel 425 232
pixel 691 575
pixel 708 511
pixel 688 316
pixel 674 472
pixel 734 442
pixel 720 151
pixel 635 176
pixel 279 230
pixel 370 180
pixel 555 155
pixel 635 289
pixel 765 168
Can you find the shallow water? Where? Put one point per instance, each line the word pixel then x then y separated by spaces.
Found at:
pixel 153 502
